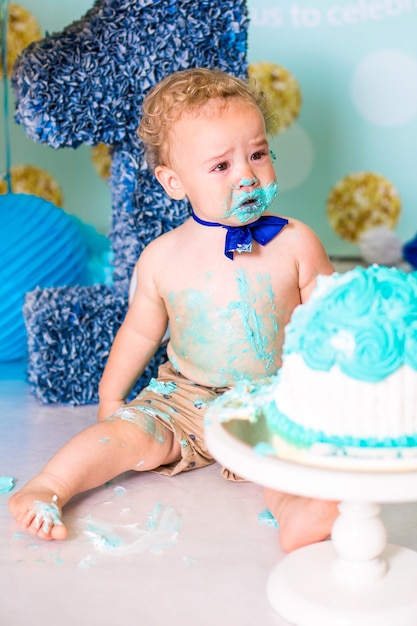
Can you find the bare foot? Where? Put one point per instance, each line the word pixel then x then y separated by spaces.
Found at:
pixel 302 521
pixel 36 511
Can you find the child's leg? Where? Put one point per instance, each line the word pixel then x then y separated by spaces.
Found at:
pixel 302 521
pixel 94 456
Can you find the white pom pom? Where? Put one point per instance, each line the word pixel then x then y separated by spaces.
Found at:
pixel 380 245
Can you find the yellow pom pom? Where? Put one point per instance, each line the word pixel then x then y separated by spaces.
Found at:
pixel 282 92
pixel 101 158
pixel 360 202
pixel 34 181
pixel 22 30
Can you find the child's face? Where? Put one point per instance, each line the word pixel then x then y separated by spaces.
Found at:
pixel 221 161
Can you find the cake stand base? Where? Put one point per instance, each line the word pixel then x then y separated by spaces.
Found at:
pixel 357 578
pixel 303 590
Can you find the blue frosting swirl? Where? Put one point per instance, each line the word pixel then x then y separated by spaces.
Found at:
pixel 363 321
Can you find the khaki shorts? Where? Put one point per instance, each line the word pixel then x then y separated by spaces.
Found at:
pixel 178 404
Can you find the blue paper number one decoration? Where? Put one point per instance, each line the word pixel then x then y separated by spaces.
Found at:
pixel 85 85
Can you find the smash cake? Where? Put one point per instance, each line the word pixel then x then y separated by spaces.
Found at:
pixel 346 394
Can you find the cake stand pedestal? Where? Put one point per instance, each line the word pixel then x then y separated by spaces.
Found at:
pixel 356 579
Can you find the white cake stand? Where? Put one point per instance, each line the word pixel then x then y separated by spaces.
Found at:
pixel 356 579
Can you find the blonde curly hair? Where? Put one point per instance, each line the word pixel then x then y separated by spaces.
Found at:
pixel 184 92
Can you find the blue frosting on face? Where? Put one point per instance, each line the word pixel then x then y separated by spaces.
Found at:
pixel 364 321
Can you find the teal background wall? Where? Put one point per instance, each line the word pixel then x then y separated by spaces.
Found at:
pixel 356 64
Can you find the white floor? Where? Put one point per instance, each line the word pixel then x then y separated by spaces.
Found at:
pixel 144 549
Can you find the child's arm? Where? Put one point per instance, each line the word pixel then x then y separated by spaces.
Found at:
pixel 136 342
pixel 311 257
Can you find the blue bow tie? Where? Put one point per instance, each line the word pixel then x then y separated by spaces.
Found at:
pixel 239 238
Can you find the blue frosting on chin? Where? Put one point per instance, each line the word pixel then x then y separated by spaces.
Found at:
pixel 364 321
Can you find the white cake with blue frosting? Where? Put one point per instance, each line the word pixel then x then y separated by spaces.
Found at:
pixel 348 382
pixel 346 394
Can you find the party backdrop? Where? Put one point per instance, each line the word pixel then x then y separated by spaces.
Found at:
pixel 355 65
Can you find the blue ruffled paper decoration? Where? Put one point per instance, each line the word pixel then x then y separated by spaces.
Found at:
pixel 71 330
pixel 86 85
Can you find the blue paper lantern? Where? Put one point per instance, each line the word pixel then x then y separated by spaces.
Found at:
pixel 40 246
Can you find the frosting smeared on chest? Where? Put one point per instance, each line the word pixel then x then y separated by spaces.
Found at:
pixel 235 339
